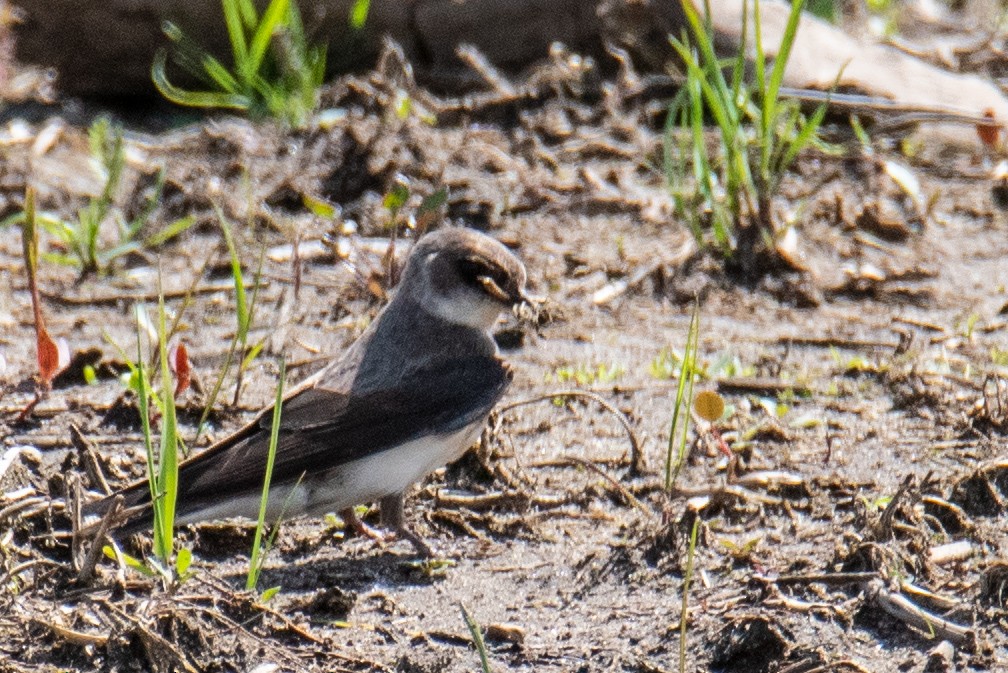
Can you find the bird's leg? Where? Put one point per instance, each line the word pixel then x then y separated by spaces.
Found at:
pixel 394 518
pixel 352 521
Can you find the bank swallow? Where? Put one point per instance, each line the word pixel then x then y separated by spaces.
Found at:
pixel 409 396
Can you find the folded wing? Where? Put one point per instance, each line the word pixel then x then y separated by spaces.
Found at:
pixel 321 428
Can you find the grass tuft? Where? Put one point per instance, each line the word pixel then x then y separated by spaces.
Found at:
pixel 276 71
pixel 724 191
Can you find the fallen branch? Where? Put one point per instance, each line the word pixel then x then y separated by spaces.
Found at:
pixel 88 565
pixel 89 459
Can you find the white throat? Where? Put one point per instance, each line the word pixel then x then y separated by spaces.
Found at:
pixel 465 308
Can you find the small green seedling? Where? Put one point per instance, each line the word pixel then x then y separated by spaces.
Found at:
pixel 584 374
pixel 665 365
pixel 244 314
pixel 675 456
pixel 162 465
pixel 687 580
pixel 81 239
pixel 162 470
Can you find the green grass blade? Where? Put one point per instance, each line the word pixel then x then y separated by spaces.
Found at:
pixel 221 76
pixel 207 99
pixel 256 560
pixel 739 62
pixel 242 340
pixel 143 404
pixel 249 14
pixel 236 34
pixel 105 257
pixel 711 65
pixel 477 636
pixel 168 472
pixel 806 134
pixel 242 317
pixel 276 15
pixel 683 401
pixel 241 302
pixel 716 103
pixel 174 229
pixel 766 118
pixel 784 53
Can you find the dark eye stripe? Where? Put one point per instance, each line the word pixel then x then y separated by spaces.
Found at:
pixel 470 270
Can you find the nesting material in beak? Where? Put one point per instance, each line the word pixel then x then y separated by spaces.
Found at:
pixel 495 290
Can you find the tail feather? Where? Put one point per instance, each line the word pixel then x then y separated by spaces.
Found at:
pixel 136 514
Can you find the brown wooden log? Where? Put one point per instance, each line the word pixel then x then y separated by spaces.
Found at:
pixel 106 48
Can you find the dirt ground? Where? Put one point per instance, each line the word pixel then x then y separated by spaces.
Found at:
pixel 858 526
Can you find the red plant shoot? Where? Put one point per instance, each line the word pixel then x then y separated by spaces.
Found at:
pixel 178 360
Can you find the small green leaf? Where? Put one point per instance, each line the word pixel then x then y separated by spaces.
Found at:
pixel 269 594
pixel 130 561
pixel 183 559
pixel 319 207
pixel 252 354
pixel 171 231
pixel 432 202
pixel 396 197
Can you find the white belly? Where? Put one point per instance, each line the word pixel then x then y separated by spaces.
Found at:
pixel 361 481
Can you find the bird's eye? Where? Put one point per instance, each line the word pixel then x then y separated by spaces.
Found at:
pixel 484 277
pixel 471 270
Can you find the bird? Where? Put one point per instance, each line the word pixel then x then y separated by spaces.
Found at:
pixel 410 395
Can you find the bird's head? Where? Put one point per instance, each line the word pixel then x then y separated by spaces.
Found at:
pixel 464 277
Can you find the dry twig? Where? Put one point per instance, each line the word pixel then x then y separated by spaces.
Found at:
pixel 637 465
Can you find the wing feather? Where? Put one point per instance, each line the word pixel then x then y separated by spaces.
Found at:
pixel 321 428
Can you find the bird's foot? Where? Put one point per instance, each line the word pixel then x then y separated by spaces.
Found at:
pixel 354 523
pixel 422 548
pixel 394 518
